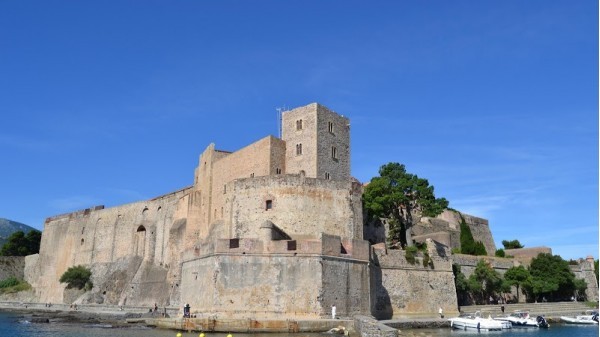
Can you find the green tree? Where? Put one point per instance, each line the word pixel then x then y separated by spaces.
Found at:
pixel 551 277
pixel 461 284
pixel 21 244
pixel 517 276
pixel 505 288
pixel 397 195
pixel 484 282
pixel 513 244
pixel 468 245
pixel 500 253
pixel 77 277
pixel 580 288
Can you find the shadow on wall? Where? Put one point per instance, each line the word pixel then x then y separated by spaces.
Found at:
pixel 381 308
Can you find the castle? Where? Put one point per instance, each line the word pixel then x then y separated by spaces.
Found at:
pixel 273 228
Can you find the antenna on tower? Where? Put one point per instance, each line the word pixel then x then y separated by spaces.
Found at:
pixel 279 113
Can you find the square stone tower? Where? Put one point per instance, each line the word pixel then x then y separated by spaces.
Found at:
pixel 317 142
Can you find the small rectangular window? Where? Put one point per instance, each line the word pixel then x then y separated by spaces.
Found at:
pixel 298 149
pixel 291 245
pixel 277 171
pixel 333 152
pixel 330 127
pixel 327 175
pixel 234 243
pixel 269 204
pixel 224 189
pixel 299 124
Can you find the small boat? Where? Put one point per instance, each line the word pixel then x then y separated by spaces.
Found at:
pixel 520 319
pixel 590 317
pixel 542 322
pixel 478 323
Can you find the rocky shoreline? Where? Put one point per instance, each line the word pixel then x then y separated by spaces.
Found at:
pixel 49 315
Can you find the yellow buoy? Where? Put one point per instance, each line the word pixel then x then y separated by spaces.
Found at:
pixel 230 335
pixel 178 334
pixel 201 334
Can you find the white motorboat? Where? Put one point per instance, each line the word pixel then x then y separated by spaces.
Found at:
pixel 478 323
pixel 590 317
pixel 519 319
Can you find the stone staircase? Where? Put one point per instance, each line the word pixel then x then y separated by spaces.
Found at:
pixel 547 309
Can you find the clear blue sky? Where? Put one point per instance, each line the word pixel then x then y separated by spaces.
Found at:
pixel 494 102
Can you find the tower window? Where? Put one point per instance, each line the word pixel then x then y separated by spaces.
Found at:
pixel 251 175
pixel 333 152
pixel 278 171
pixel 299 124
pixel 327 176
pixel 330 126
pixel 298 149
pixel 224 189
pixel 268 205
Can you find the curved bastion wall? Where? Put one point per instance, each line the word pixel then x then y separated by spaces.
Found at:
pixel 299 206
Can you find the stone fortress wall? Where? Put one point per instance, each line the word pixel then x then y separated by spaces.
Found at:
pixel 299 278
pixel 275 228
pixel 585 270
pixel 120 244
pixel 401 288
pixel 299 206
pixel 137 252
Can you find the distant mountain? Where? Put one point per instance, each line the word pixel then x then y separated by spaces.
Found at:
pixel 7 227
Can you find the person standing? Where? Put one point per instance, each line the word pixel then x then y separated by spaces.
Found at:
pixel 333 309
pixel 441 312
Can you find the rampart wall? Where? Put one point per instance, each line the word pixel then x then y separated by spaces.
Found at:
pixel 524 255
pixel 585 270
pixel 479 228
pixel 401 288
pixel 126 240
pixel 291 277
pixel 300 206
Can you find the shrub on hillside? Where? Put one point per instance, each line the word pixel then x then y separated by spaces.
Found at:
pixel 77 277
pixel 411 253
pixel 9 282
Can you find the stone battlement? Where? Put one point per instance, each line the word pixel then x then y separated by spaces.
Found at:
pixel 75 215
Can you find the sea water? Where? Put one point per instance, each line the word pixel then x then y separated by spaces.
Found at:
pixel 16 325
